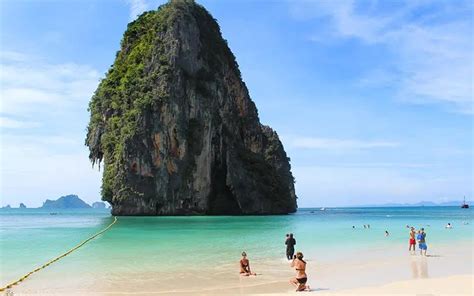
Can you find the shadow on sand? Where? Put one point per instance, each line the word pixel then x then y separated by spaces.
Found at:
pixel 318 289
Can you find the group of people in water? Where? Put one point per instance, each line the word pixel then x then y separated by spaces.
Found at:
pixel 420 238
pixel 297 262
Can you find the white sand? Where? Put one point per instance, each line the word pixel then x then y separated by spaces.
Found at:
pixel 451 285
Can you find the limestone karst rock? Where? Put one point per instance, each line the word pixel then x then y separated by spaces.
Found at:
pixel 174 126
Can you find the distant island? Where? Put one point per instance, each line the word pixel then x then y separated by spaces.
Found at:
pixel 66 202
pixel 98 205
pixel 420 204
pixel 70 201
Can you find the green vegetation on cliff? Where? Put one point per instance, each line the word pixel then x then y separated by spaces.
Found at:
pixel 175 127
pixel 127 92
pixel 136 84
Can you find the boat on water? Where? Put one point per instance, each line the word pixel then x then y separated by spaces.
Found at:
pixel 464 204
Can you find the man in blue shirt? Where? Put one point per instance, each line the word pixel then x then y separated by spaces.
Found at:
pixel 421 241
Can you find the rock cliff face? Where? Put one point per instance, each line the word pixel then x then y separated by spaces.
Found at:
pixel 175 127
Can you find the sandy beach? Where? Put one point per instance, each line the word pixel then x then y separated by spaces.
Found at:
pixel 446 271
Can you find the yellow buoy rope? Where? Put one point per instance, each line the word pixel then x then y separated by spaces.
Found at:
pixel 57 258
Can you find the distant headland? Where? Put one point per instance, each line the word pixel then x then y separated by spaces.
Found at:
pixel 420 204
pixel 70 201
pixel 66 202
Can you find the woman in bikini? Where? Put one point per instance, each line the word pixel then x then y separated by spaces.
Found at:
pixel 301 278
pixel 245 266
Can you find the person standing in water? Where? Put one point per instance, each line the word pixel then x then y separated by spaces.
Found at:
pixel 245 266
pixel 421 241
pixel 290 246
pixel 301 278
pixel 412 241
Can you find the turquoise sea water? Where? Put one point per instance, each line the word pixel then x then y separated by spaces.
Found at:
pixel 30 237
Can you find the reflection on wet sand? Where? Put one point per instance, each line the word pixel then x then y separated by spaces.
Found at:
pixel 419 267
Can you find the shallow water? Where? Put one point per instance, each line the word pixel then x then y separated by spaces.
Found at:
pixel 30 237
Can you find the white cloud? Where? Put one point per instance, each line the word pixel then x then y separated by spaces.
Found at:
pixel 137 7
pixel 433 52
pixel 29 84
pixel 390 165
pixel 337 144
pixel 6 122
pixel 14 56
pixel 50 160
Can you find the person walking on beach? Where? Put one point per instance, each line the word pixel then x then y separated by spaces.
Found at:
pixel 421 241
pixel 301 278
pixel 290 246
pixel 412 240
pixel 245 266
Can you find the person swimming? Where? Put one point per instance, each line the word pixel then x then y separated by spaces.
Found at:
pixel 245 266
pixel 301 278
pixel 448 226
pixel 386 233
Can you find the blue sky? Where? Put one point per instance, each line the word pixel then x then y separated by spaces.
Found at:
pixel 373 100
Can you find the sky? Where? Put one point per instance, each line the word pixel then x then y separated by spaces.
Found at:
pixel 373 100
